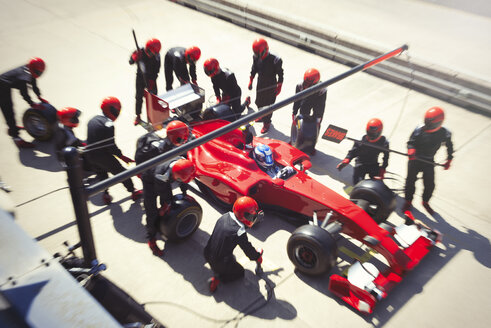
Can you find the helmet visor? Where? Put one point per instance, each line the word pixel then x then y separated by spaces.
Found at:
pixel 254 217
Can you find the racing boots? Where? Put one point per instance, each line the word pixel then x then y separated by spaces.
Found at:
pixel 213 284
pixel 266 127
pixel 247 102
pixel 428 208
pixel 21 143
pixel 136 194
pixel 152 243
pixel 407 206
pixel 137 120
pixel 106 198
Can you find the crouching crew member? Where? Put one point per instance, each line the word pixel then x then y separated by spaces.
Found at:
pixel 176 61
pixel 101 147
pixel 158 182
pixel 148 67
pixel 269 69
pixel 19 78
pixel 367 156
pixel 230 231
pixel 423 143
pixel 64 135
pixel 224 80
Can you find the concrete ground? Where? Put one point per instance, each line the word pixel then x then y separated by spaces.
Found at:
pixel 86 46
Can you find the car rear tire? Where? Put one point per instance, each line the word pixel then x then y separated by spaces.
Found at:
pixel 39 125
pixel 182 220
pixel 312 250
pixel 381 200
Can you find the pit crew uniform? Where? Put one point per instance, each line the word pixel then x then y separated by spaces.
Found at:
pixel 367 158
pixel 270 74
pixel 312 106
pixel 231 92
pixel 227 234
pixel 426 145
pixel 64 136
pixel 17 78
pixel 175 62
pixel 101 149
pixel 150 68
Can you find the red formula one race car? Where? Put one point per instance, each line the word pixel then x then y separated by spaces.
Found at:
pixel 226 171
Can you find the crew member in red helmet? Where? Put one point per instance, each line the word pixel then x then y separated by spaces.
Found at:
pixel 148 67
pixel 225 86
pixel 367 157
pixel 157 182
pixel 64 136
pixel 230 231
pixel 269 69
pixel 314 105
pixel 19 78
pixel 101 147
pixel 149 146
pixel 423 143
pixel 176 61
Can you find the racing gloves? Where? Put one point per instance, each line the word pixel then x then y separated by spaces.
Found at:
pixel 446 166
pixel 381 173
pixel 278 88
pixel 135 56
pixel 260 258
pixel 343 164
pixel 126 159
pixel 250 83
pixel 411 152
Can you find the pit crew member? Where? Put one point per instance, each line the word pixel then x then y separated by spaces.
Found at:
pixel 148 66
pixel 101 147
pixel 19 78
pixel 158 182
pixel 230 231
pixel 269 69
pixel 224 80
pixel 64 136
pixel 367 157
pixel 176 61
pixel 423 143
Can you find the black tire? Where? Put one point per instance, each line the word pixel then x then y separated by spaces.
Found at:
pixel 210 194
pixel 39 125
pixel 183 218
pixel 381 200
pixel 312 250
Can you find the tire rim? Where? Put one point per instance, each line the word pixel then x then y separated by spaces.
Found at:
pixel 305 256
pixel 186 225
pixel 36 125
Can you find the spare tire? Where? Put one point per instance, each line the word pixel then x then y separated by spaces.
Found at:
pixel 40 123
pixel 182 220
pixel 312 250
pixel 381 200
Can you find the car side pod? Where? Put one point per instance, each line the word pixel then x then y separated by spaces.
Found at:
pixel 364 285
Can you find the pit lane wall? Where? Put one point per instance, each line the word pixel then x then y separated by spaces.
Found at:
pixel 439 82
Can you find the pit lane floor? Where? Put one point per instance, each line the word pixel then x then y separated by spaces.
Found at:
pixel 86 47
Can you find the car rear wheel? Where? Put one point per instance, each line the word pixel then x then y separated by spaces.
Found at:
pixel 380 199
pixel 312 250
pixel 182 220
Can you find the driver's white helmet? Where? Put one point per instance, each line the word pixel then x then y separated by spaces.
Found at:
pixel 263 156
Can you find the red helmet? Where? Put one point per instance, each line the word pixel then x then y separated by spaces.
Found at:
pixel 111 107
pixel 36 67
pixel 311 77
pixel 260 48
pixel 183 170
pixel 211 67
pixel 434 119
pixel 153 46
pixel 68 116
pixel 177 132
pixel 374 129
pixel 192 54
pixel 247 211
